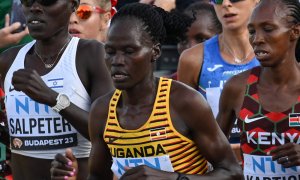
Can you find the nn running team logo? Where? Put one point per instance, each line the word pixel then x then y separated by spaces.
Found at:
pixel 17 143
pixel 294 119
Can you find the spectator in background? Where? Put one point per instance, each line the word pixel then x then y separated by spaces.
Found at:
pixel 12 25
pixel 207 66
pixel 91 19
pixel 8 36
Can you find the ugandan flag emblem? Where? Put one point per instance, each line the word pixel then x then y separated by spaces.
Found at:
pixel 294 120
pixel 158 133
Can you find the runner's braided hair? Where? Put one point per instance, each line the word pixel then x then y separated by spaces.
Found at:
pixel 156 21
pixel 204 9
pixel 294 11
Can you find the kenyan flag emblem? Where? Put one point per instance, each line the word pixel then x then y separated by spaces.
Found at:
pixel 294 120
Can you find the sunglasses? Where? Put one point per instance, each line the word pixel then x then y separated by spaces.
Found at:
pixel 84 11
pixel 221 1
pixel 41 2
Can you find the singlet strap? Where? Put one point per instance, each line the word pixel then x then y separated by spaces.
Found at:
pixel 112 113
pixel 161 106
pixel 254 75
pixel 250 92
pixel 159 112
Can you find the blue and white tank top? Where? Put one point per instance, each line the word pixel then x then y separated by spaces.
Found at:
pixel 215 72
pixel 35 129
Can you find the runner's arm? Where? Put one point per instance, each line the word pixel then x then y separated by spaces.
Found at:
pixel 230 102
pixel 209 138
pixel 189 66
pixel 100 160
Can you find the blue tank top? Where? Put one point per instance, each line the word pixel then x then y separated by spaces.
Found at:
pixel 215 72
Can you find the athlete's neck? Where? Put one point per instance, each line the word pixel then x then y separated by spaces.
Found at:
pixel 142 94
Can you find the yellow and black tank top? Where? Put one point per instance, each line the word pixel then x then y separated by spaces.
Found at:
pixel 156 144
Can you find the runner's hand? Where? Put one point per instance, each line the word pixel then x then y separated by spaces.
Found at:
pixel 64 167
pixel 288 155
pixel 30 82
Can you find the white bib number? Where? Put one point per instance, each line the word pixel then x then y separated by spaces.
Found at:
pixel 159 162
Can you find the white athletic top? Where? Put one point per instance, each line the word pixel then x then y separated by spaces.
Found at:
pixel 35 129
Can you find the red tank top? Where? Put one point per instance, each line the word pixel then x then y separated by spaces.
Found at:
pixel 262 130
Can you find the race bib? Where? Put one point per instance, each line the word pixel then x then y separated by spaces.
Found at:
pixel 43 142
pixel 160 162
pixel 35 126
pixel 213 96
pixel 263 168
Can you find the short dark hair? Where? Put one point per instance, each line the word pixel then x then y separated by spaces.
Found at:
pixel 204 8
pixel 156 21
pixel 181 5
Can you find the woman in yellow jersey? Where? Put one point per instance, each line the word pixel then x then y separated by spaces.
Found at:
pixel 149 128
